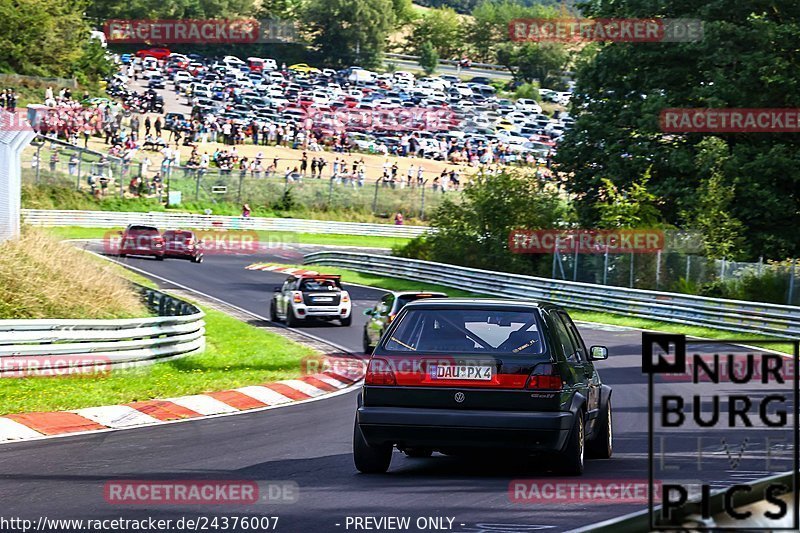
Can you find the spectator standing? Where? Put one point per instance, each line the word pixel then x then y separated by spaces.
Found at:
pixel 157 126
pixel 147 125
pixel 304 164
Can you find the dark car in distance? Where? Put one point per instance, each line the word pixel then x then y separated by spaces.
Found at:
pixel 138 239
pixel 380 316
pixel 182 244
pixel 459 376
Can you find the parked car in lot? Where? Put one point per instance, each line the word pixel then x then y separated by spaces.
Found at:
pixel 459 375
pixel 158 53
pixel 311 296
pixel 141 240
pixel 182 244
pixel 386 310
pixel 156 82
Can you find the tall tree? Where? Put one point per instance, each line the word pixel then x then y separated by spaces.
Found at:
pixel 747 58
pixel 545 62
pixel 41 38
pixel 442 28
pixel 349 32
pixel 428 58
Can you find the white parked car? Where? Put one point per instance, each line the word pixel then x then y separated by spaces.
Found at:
pixel 528 106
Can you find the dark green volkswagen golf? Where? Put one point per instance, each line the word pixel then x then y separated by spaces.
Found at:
pixel 457 375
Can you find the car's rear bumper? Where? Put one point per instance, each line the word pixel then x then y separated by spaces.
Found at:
pixel 141 251
pixel 455 428
pixel 330 311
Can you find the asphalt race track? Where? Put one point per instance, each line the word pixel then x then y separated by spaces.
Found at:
pixel 310 444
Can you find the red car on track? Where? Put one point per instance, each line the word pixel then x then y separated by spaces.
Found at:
pixel 158 53
pixel 142 240
pixel 182 244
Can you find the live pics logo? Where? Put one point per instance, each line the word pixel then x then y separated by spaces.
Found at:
pixel 721 441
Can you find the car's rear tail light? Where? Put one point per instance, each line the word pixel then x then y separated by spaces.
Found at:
pixel 345 296
pixel 390 317
pixel 544 377
pixel 379 372
pixel 297 297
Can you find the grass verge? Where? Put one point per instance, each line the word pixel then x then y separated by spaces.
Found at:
pixel 237 355
pixel 41 277
pixel 365 241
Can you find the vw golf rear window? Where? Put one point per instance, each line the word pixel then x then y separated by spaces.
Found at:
pixel 485 331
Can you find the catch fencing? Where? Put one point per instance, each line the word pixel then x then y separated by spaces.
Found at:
pixel 162 220
pixel 745 317
pixel 177 331
pixel 55 162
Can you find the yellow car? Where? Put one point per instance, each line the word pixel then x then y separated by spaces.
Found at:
pixel 304 67
pixel 504 124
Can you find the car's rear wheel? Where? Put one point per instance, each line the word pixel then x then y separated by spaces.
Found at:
pixel 418 453
pixel 197 259
pixel 346 321
pixel 273 315
pixel 159 258
pixel 601 446
pixel 572 457
pixel 370 459
pixel 291 319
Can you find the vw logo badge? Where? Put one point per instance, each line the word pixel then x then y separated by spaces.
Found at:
pixel 459 397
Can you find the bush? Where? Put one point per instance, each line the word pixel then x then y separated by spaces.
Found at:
pixel 417 248
pixel 528 90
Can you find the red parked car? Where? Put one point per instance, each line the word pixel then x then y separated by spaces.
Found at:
pixel 142 240
pixel 158 53
pixel 182 244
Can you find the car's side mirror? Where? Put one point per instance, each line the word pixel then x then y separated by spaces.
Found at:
pixel 598 353
pixel 276 289
pixel 368 312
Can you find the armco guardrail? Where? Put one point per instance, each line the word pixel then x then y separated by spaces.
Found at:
pixel 747 317
pixel 487 66
pixel 179 330
pixel 111 219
